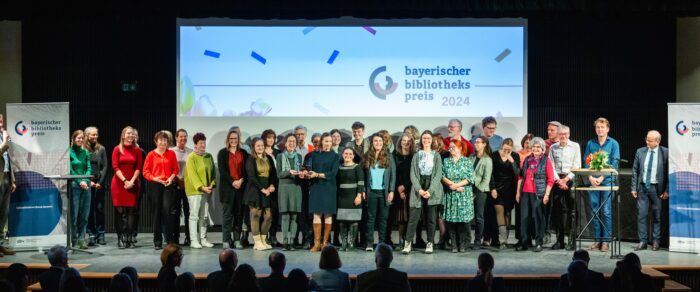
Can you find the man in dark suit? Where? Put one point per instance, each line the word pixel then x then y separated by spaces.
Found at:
pixel 383 278
pixel 228 261
pixel 594 280
pixel 650 186
pixel 58 258
pixel 7 184
pixel 276 282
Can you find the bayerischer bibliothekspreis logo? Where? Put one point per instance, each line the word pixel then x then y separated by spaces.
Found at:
pixel 681 128
pixel 377 89
pixel 21 129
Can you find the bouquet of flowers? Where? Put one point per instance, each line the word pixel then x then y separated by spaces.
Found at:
pixel 598 160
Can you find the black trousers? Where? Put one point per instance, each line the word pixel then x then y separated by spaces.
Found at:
pixel 377 213
pixel 479 208
pixel 185 210
pixel 563 212
pixel 96 218
pixel 233 214
pixel 166 215
pixel 531 210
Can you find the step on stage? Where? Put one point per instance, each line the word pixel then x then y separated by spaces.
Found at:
pixel 441 264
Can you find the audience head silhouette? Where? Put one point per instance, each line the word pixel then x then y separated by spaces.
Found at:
pixel 277 262
pixel 58 256
pixel 383 255
pixel 121 282
pixel 185 282
pixel 228 260
pixel 330 260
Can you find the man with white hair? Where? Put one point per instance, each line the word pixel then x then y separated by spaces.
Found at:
pixel 565 155
pixel 649 187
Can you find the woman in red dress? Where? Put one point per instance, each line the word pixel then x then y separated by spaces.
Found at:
pixel 126 163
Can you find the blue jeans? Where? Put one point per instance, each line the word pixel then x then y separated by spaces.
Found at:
pixel 597 198
pixel 80 210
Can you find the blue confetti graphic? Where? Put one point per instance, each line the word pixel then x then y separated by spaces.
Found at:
pixel 212 54
pixel 308 30
pixel 258 57
pixel 333 56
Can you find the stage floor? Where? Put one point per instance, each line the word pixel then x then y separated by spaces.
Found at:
pixel 145 259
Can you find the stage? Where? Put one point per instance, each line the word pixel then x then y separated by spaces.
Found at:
pixel 145 259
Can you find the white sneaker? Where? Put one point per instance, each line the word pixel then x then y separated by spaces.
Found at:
pixel 406 248
pixel 429 247
pixel 205 243
pixel 195 244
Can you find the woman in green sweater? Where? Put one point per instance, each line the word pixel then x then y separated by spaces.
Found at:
pixel 199 185
pixel 483 166
pixel 80 189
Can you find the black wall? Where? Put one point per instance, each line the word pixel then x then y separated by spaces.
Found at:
pixel 579 68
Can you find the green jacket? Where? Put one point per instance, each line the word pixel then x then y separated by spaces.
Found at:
pixel 482 173
pixel 80 163
pixel 199 172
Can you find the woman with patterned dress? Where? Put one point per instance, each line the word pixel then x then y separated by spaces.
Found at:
pixel 322 190
pixel 289 193
pixel 458 209
pixel 351 185
pixel 127 160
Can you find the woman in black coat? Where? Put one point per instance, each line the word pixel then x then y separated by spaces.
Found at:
pixel 262 180
pixel 231 189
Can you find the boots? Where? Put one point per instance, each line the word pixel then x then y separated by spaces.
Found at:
pixel 120 241
pixel 317 238
pixel 263 242
pixel 453 239
pixel 257 244
pixel 203 237
pixel 326 233
pixel 343 237
pixel 194 238
pixel 130 240
pixel 352 236
pixel 571 242
pixel 502 236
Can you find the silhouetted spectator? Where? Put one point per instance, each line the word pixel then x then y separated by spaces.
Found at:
pixel 276 282
pixel 384 278
pixel 184 282
pixel 17 275
pixel 577 273
pixel 218 280
pixel 133 276
pixel 595 280
pixel 58 258
pixel 244 280
pixel 297 281
pixel 484 280
pixel 330 278
pixel 71 281
pixel 170 258
pixel 628 276
pixel 121 282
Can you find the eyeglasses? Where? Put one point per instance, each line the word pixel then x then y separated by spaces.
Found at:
pixel 491 128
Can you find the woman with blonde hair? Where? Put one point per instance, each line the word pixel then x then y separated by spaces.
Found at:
pixel 98 165
pixel 127 160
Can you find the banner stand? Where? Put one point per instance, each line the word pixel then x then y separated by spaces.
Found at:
pixel 684 176
pixel 39 134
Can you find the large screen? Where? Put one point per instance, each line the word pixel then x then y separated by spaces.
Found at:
pixel 327 74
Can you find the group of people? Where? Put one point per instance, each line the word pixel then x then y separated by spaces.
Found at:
pixel 308 191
